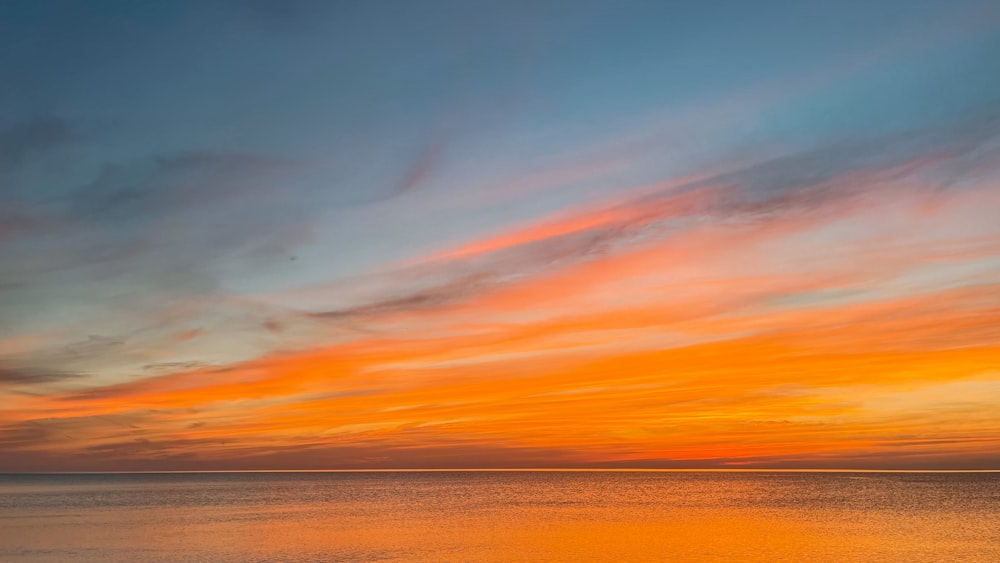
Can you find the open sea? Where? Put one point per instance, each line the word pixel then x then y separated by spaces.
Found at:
pixel 501 516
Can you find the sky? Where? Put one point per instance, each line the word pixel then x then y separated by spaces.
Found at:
pixel 264 234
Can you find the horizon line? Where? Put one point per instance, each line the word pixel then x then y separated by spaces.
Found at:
pixel 509 470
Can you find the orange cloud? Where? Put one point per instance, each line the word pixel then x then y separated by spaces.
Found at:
pixel 717 343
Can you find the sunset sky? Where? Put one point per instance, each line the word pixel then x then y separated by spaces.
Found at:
pixel 449 234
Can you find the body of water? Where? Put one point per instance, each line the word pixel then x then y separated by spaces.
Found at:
pixel 501 516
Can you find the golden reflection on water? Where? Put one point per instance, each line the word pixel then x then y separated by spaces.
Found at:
pixel 503 517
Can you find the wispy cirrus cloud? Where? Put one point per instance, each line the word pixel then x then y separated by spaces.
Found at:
pixel 698 219
pixel 666 401
pixel 434 246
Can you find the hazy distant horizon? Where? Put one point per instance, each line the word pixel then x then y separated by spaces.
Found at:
pixel 507 469
pixel 153 468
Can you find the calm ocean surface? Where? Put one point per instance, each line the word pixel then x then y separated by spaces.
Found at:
pixel 501 516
